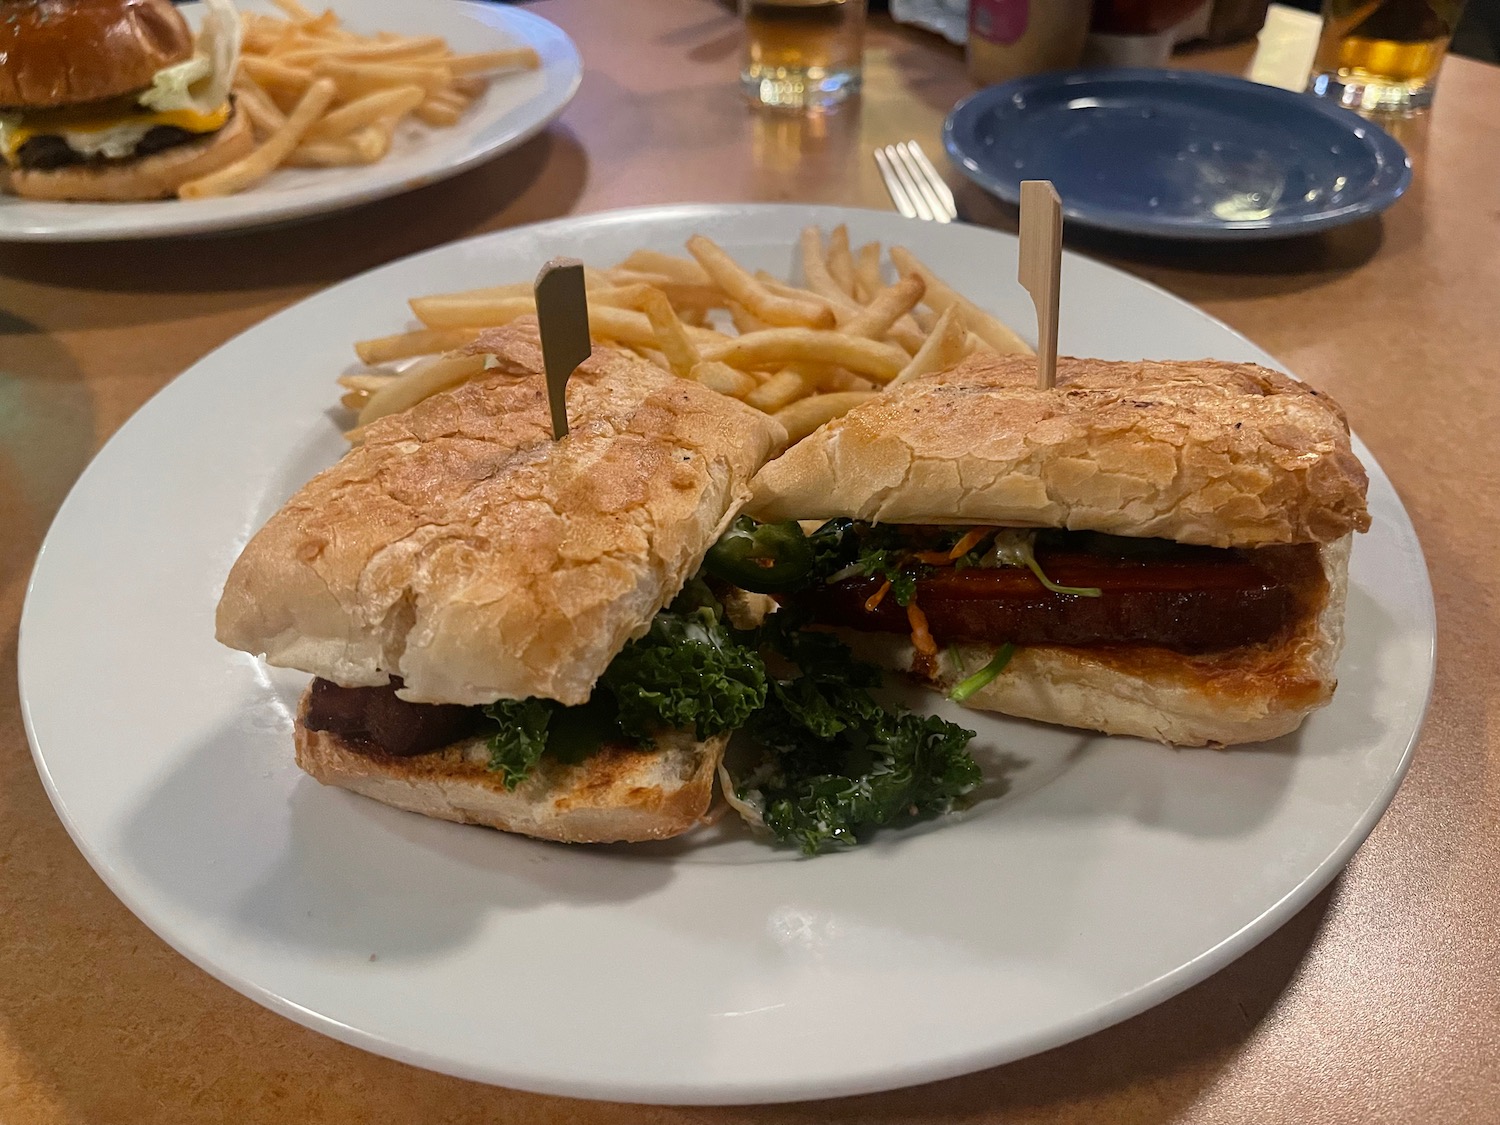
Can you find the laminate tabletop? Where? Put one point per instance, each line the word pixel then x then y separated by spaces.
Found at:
pixel 1379 1002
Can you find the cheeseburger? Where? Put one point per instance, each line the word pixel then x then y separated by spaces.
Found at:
pixel 115 99
pixel 1150 549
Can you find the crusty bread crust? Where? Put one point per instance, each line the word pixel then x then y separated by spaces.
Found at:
pixel 1215 699
pixel 463 550
pixel 1221 454
pixel 619 794
pixel 157 176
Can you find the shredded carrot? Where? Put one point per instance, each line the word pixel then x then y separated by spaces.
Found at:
pixel 972 538
pixel 921 639
pixel 874 600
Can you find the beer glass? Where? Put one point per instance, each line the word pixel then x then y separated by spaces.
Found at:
pixel 802 54
pixel 1382 56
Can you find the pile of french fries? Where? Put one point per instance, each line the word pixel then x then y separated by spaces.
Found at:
pixel 318 95
pixel 805 354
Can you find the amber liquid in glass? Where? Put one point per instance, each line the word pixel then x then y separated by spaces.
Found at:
pixel 1383 54
pixel 802 53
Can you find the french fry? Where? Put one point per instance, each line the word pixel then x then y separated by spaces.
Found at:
pixel 366 381
pixel 840 261
pixel 743 320
pixel 795 293
pixel 394 50
pixel 285 85
pixel 745 289
pixel 837 379
pixel 470 312
pixel 378 134
pixel 514 289
pixel 435 111
pixel 407 345
pixel 268 157
pixel 514 58
pixel 294 10
pixel 683 295
pixel 941 296
pixel 944 348
pixel 671 337
pixel 355 80
pixel 653 356
pixel 444 107
pixel 867 271
pixel 806 415
pixel 319 25
pixel 779 347
pixel 679 269
pixel 365 145
pixel 724 379
pixel 887 307
pixel 422 381
pixel 368 110
pixel 816 274
pixel 783 389
pixel 342 153
pixel 265 116
pixel 657 306
pixel 621 326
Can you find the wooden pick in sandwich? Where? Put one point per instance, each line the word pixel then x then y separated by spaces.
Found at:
pixel 1041 269
pixel 562 310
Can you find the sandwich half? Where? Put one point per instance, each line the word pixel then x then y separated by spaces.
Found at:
pixel 490 614
pixel 1150 549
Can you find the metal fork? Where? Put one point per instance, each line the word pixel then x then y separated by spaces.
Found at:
pixel 914 184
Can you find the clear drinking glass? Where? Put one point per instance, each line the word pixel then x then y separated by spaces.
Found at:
pixel 1382 56
pixel 802 54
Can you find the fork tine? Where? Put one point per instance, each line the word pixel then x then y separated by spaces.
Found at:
pixel 893 186
pixel 939 185
pixel 913 192
pixel 920 181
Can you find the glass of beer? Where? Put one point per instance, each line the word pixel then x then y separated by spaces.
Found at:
pixel 1382 56
pixel 802 54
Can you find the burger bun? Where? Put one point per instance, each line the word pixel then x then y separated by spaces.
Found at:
pixel 63 52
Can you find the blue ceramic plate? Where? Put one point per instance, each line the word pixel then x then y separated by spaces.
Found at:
pixel 1176 154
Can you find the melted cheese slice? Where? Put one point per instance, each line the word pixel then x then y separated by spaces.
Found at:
pixel 109 134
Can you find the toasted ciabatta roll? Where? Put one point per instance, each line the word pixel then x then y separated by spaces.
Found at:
pixel 1219 455
pixel 462 557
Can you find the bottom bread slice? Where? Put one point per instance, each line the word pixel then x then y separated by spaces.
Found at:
pixel 1214 699
pixel 618 794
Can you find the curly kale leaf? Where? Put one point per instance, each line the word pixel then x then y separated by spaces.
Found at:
pixel 913 766
pixel 840 764
pixel 687 672
pixel 516 748
pixel 835 545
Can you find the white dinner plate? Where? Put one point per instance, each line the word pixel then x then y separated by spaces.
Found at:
pixel 1095 877
pixel 515 107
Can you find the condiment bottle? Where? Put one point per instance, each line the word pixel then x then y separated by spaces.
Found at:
pixel 1011 38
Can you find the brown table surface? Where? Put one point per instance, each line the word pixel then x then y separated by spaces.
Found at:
pixel 1378 1002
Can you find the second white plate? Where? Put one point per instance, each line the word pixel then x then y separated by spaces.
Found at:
pixel 1098 876
pixel 514 108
